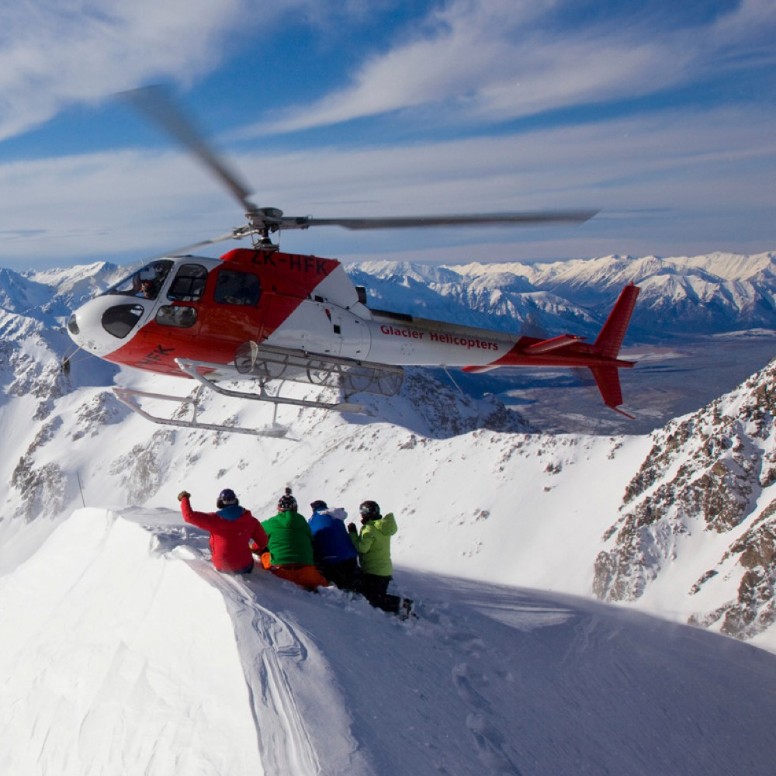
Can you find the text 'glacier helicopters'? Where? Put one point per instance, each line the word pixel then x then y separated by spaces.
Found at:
pixel 246 322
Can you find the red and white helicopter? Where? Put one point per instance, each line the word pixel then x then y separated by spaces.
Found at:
pixel 246 322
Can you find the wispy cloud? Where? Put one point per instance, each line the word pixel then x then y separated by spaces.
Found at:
pixel 54 53
pixel 654 179
pixel 496 60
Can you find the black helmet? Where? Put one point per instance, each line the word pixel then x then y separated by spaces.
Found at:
pixel 370 510
pixel 287 503
pixel 226 498
pixel 318 505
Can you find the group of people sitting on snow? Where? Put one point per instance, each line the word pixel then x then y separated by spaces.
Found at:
pixel 312 553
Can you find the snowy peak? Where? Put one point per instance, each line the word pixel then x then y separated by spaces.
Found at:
pixel 71 287
pixel 18 294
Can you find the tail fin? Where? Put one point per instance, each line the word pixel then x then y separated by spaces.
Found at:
pixel 608 344
pixel 611 335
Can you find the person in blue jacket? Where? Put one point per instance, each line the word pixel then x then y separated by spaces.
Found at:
pixel 334 553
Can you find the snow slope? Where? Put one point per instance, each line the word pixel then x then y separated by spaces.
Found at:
pixel 528 510
pixel 130 655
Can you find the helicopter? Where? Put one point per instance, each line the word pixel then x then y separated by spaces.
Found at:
pixel 245 323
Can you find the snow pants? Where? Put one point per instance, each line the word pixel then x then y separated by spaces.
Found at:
pixel 307 577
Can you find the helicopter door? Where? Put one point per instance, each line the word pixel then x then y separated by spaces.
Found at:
pixel 235 314
pixel 185 291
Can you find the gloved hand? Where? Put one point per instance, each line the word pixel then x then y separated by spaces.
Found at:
pixel 352 528
pixel 183 494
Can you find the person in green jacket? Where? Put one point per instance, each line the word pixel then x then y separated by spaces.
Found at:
pixel 373 544
pixel 290 546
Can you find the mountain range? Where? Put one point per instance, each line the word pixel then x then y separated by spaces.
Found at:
pixel 701 326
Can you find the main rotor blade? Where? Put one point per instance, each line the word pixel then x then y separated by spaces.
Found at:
pixel 187 249
pixel 157 104
pixel 182 251
pixel 473 219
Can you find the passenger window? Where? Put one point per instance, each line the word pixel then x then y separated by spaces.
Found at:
pixel 189 283
pixel 237 288
pixel 182 317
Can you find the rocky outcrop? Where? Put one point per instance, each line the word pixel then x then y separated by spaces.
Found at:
pixel 754 607
pixel 41 489
pixel 712 472
pixel 101 410
pixel 142 471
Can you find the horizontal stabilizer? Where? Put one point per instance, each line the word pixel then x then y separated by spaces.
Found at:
pixel 476 370
pixel 548 345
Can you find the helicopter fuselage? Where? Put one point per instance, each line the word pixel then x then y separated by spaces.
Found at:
pixel 204 310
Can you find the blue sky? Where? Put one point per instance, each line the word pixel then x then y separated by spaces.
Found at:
pixel 661 114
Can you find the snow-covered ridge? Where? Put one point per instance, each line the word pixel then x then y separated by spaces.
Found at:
pixel 625 269
pixel 130 655
pixel 702 294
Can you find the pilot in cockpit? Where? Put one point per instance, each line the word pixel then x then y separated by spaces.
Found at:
pixel 148 289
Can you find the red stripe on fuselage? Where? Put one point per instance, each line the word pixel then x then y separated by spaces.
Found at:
pixel 289 274
pixel 287 279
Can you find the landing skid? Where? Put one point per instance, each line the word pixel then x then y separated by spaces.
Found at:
pixel 204 373
pixel 199 370
pixel 257 367
pixel 131 398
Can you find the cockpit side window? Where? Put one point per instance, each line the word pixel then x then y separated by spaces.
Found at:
pixel 188 284
pixel 237 288
pixel 121 319
pixel 145 282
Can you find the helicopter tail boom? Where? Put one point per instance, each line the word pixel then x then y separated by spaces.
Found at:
pixel 568 350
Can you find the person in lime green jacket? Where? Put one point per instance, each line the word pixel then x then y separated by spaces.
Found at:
pixel 373 544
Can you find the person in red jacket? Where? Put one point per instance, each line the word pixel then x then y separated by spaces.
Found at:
pixel 231 530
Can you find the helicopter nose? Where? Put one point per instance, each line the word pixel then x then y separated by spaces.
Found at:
pixel 104 324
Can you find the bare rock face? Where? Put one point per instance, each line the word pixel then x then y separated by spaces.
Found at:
pixel 41 489
pixel 143 470
pixel 712 472
pixel 754 608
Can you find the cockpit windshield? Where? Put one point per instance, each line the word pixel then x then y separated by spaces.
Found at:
pixel 145 282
